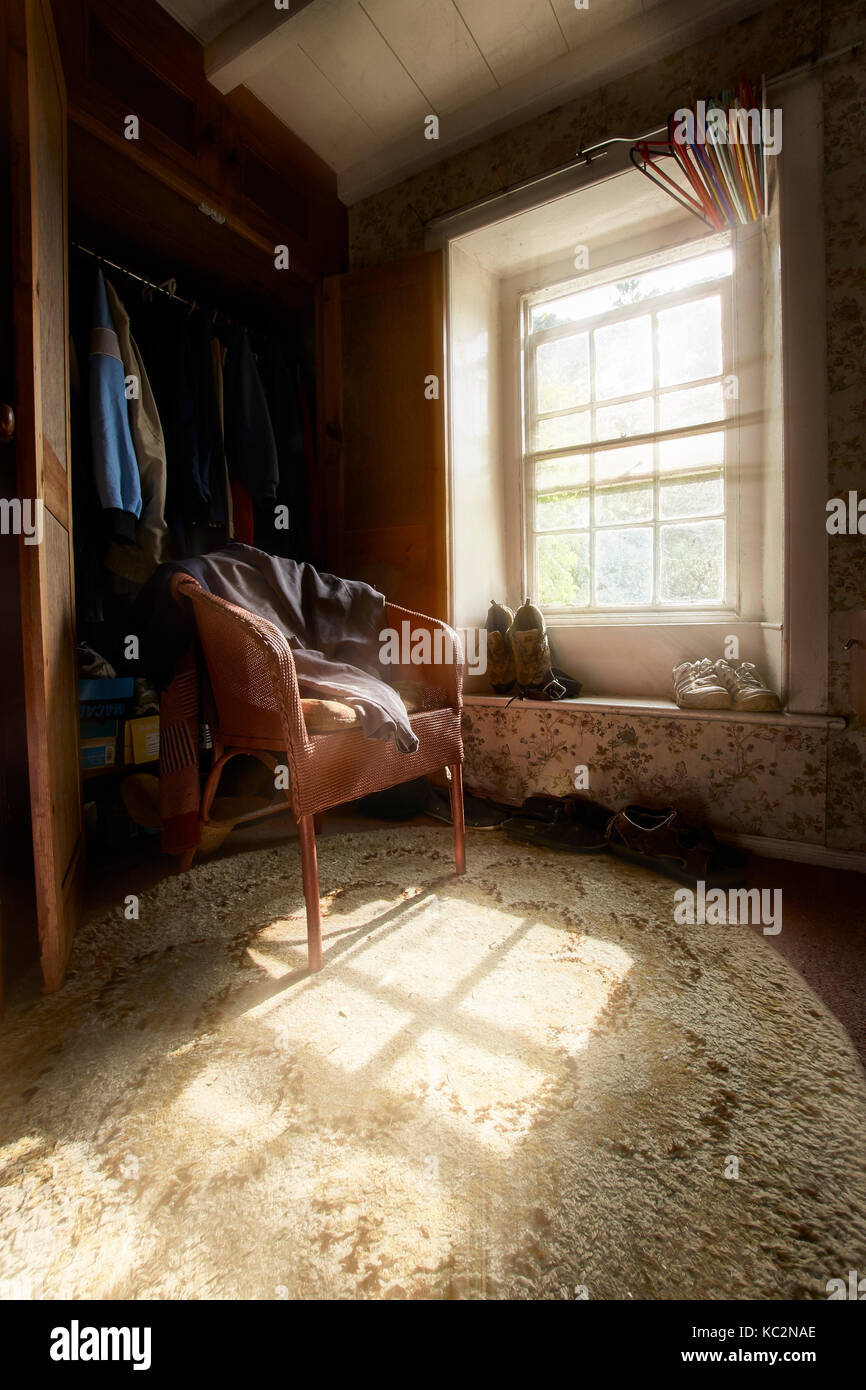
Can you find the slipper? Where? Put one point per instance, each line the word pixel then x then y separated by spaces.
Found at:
pixel 665 842
pixel 570 807
pixel 571 823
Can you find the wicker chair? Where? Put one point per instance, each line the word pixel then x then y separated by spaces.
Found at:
pixel 254 708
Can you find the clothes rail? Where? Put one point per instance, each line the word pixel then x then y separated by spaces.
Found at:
pixel 167 287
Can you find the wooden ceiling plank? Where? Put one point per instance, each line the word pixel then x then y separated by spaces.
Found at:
pixel 249 44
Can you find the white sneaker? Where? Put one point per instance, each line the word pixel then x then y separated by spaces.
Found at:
pixel 697 686
pixel 745 685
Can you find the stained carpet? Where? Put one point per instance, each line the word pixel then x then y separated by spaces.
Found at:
pixel 525 1083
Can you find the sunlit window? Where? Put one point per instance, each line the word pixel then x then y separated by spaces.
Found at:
pixel 628 394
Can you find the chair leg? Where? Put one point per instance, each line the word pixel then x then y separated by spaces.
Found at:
pixel 457 817
pixel 310 871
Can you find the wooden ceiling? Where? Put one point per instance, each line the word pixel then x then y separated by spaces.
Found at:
pixel 356 78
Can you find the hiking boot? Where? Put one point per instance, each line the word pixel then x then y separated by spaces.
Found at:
pixel 531 648
pixel 500 657
pixel 745 686
pixel 698 686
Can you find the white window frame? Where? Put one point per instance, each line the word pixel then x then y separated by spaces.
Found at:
pixel 724 287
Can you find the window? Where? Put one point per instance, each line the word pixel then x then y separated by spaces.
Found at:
pixel 629 490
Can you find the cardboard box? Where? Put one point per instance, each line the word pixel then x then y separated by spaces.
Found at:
pixel 141 739
pixel 104 699
pixel 98 752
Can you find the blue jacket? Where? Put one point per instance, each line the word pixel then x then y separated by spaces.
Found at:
pixel 115 467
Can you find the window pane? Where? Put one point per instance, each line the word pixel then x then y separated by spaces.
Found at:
pixel 563 570
pixel 690 341
pixel 629 417
pixel 553 474
pixel 562 374
pixel 620 465
pixel 623 358
pixel 697 452
pixel 699 496
pixel 693 407
pixel 561 511
pixel 563 430
pixel 573 308
pixel 617 504
pixel 624 566
pixel 692 563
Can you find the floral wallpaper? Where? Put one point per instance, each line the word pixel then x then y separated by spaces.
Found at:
pixel 743 778
pixel 795 783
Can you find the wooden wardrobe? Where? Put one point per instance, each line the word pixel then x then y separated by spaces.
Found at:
pixel 206 193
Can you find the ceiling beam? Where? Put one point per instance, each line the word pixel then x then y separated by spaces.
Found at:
pixel 249 45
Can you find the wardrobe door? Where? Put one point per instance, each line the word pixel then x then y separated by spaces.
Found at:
pixel 37 173
pixel 382 427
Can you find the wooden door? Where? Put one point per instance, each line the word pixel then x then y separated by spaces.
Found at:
pixel 383 430
pixel 36 149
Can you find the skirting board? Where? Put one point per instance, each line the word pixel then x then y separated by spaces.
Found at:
pixel 852 859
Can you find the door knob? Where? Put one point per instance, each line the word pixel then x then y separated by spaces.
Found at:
pixel 7 424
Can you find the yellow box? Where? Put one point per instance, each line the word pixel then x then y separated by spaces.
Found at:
pixel 141 739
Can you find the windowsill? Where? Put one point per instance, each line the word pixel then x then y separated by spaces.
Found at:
pixel 634 704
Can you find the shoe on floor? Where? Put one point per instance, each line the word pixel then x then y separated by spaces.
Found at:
pixel 500 657
pixel 746 687
pixel 698 686
pixel 664 841
pixel 571 823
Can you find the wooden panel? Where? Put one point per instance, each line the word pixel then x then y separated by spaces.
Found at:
pixel 108 198
pixel 431 39
pixel 38 177
pixel 348 48
pixel 515 36
pixel 383 336
pixel 60 685
pixel 302 96
pixel 49 117
pixel 231 155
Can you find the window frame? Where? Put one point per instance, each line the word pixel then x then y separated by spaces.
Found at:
pixel 725 286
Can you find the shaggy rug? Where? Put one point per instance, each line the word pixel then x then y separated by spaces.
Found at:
pixel 525 1083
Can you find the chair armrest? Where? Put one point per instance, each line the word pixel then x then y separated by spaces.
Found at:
pixel 444 670
pixel 248 659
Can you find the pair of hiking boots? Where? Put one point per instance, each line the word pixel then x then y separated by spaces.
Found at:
pixel 518 655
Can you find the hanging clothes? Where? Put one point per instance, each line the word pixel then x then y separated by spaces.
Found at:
pixel 160 325
pixel 218 356
pixel 137 562
pixel 88 529
pixel 281 382
pixel 211 448
pixel 249 439
pixel 115 467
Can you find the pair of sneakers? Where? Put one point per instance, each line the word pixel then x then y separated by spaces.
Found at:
pixel 722 684
pixel 518 654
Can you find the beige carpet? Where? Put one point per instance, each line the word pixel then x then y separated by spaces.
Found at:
pixel 517 1084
